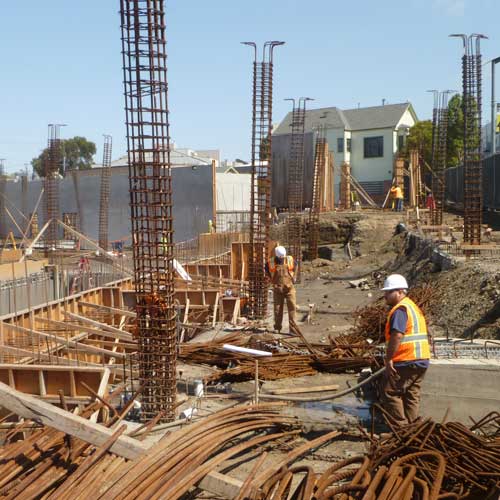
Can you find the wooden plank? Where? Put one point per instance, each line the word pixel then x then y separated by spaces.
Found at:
pixel 94 331
pixel 119 334
pixel 68 343
pixel 111 310
pixel 299 390
pixel 39 411
pixel 221 485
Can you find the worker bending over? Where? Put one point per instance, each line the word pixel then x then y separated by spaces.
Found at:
pixel 281 270
pixel 407 354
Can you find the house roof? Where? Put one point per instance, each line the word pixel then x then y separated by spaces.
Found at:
pixel 332 117
pixel 387 116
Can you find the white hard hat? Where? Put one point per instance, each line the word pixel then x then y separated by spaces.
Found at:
pixel 395 282
pixel 280 252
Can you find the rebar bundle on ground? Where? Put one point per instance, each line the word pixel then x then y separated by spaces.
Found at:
pixel 146 109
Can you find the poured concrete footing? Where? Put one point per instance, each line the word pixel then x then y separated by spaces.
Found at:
pixel 462 387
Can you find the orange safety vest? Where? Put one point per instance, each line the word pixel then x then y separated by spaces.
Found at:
pixel 272 265
pixel 415 343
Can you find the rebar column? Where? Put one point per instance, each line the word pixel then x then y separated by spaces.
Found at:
pixel 260 195
pixel 146 110
pixel 440 137
pixel 105 187
pixel 471 105
pixel 345 186
pixel 3 214
pixel 296 183
pixel 320 160
pixel 53 161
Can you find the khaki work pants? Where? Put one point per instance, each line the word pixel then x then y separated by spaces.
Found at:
pixel 400 393
pixel 281 294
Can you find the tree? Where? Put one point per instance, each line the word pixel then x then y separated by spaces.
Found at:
pixel 420 137
pixel 77 154
pixel 455 137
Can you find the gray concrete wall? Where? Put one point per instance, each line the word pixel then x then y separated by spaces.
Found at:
pixel 491 183
pixel 280 167
pixel 462 387
pixel 192 199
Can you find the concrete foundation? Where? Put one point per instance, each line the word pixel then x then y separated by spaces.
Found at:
pixel 462 387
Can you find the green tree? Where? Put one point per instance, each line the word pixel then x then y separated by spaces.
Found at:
pixel 455 137
pixel 420 138
pixel 77 154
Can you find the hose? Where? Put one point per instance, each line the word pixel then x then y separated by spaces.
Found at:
pixel 373 376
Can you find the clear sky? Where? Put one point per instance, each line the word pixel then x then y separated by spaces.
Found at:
pixel 61 63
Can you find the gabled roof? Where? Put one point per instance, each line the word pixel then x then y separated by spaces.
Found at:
pixel 374 117
pixel 331 117
pixel 377 116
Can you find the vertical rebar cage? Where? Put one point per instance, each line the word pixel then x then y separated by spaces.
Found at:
pixel 53 161
pixel 146 108
pixel 105 188
pixel 260 196
pixel 471 105
pixel 296 183
pixel 320 160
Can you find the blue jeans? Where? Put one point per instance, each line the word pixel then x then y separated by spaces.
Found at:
pixel 399 204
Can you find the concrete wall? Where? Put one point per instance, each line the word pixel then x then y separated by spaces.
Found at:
pixel 465 387
pixel 233 192
pixel 280 165
pixel 491 183
pixel 192 200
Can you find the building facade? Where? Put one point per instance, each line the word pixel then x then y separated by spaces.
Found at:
pixel 368 139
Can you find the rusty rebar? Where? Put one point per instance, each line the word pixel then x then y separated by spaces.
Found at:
pixel 105 188
pixel 146 109
pixel 260 197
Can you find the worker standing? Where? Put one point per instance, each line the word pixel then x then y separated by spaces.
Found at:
pixel 407 355
pixel 398 197
pixel 281 270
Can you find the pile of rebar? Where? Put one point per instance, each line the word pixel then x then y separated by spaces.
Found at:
pixel 370 320
pixel 423 461
pixel 50 465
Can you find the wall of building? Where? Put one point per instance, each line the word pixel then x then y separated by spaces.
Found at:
pixel 192 201
pixel 372 169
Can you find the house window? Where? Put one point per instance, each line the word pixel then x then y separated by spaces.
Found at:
pixel 348 145
pixel 401 142
pixel 373 147
pixel 340 145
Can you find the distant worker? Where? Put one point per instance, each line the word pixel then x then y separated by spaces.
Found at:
pixel 397 196
pixel 281 271
pixel 210 226
pixel 488 233
pixel 408 352
pixel 430 203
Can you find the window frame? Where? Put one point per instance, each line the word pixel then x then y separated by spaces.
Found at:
pixel 340 145
pixel 368 150
pixel 348 145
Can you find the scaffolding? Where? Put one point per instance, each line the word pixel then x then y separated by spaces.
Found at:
pixel 146 110
pixel 260 197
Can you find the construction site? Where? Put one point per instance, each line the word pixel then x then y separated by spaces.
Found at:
pixel 140 352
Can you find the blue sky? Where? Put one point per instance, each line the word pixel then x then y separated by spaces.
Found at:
pixel 61 63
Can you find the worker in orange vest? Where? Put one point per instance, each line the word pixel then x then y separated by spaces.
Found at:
pixel 407 354
pixel 397 196
pixel 281 271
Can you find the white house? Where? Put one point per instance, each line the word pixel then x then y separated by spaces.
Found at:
pixel 366 138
